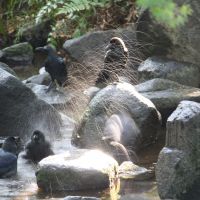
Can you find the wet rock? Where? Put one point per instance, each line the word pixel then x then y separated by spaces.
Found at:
pixel 18 55
pixel 7 68
pixel 182 43
pixel 178 163
pixel 160 67
pixel 128 170
pixel 21 112
pixel 76 170
pixel 41 79
pixel 166 94
pixel 80 198
pixel 53 97
pixel 36 34
pixel 91 92
pixel 117 113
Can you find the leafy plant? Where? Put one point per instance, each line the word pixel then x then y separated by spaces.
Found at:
pixel 167 11
pixel 13 6
pixel 76 11
pixel 73 18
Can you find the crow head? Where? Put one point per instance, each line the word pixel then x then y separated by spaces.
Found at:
pixel 12 145
pixel 46 49
pixel 116 51
pixel 38 137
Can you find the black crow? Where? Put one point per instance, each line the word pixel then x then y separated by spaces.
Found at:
pixel 115 60
pixel 55 66
pixel 8 157
pixel 38 148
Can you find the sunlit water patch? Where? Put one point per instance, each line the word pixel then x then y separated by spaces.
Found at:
pixel 24 187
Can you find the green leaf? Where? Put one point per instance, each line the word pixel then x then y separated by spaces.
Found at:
pixel 167 12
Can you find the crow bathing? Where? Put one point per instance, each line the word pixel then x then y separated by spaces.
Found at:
pixel 38 148
pixel 8 157
pixel 115 60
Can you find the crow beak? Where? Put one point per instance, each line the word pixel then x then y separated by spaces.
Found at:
pixel 35 137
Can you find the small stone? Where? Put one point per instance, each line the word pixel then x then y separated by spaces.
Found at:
pixel 128 170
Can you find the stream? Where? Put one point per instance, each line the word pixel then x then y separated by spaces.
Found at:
pixel 24 186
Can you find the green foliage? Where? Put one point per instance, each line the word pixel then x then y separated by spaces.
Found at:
pixel 13 6
pixel 77 11
pixel 68 7
pixel 166 11
pixel 72 18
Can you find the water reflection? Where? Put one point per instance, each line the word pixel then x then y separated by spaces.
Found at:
pixel 24 187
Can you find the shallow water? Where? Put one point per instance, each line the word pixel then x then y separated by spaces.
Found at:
pixel 24 187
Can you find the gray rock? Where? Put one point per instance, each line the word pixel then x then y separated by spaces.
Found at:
pixel 128 170
pixel 178 163
pixel 18 55
pixel 182 43
pixel 7 68
pixel 76 170
pixel 166 94
pixel 160 67
pixel 41 79
pixel 117 113
pixel 21 112
pixel 53 97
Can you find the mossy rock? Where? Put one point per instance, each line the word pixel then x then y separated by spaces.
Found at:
pixel 18 54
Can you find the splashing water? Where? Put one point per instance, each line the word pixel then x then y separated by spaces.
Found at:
pixel 81 77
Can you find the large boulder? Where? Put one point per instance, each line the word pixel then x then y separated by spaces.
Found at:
pixel 159 67
pixel 117 113
pixel 91 47
pixel 21 112
pixel 18 55
pixel 181 44
pixel 166 94
pixel 76 170
pixel 177 170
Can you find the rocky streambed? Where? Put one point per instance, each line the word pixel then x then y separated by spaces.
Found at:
pixel 24 185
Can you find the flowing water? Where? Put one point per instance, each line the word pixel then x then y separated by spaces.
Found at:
pixel 24 187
